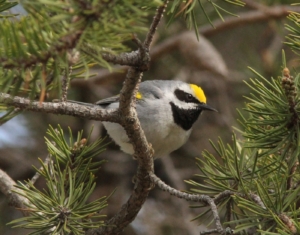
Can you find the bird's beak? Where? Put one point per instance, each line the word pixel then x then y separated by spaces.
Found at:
pixel 206 107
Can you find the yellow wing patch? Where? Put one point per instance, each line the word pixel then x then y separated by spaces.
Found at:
pixel 199 93
pixel 138 95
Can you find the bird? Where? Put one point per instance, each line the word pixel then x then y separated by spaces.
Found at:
pixel 167 111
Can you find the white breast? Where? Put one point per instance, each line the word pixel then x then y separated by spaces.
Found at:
pixel 164 137
pixel 158 125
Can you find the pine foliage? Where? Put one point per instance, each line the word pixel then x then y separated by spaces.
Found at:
pixel 63 207
pixel 255 180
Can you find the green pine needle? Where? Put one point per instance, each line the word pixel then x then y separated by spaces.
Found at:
pixel 63 207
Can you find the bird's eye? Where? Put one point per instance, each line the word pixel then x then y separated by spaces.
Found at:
pixel 189 97
pixel 185 96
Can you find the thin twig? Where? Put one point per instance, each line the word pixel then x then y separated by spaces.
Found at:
pixel 65 84
pixel 224 195
pixel 37 174
pixel 157 18
pixel 190 197
pixel 228 193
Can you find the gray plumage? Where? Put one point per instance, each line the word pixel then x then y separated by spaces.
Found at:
pixel 156 116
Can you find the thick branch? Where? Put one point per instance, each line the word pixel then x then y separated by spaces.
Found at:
pixel 142 151
pixel 7 184
pixel 129 58
pixel 92 112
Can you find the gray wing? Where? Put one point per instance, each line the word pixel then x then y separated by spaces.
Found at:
pixel 151 89
pixel 105 102
pixel 148 89
pixel 108 101
pixel 81 103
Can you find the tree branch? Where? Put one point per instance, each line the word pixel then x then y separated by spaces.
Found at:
pixel 7 185
pixel 142 151
pixel 128 58
pixel 190 197
pixel 156 19
pixel 37 174
pixel 228 193
pixel 92 112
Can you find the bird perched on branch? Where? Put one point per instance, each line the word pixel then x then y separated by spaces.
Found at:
pixel 166 109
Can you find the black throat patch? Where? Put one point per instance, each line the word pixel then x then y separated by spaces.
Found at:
pixel 185 118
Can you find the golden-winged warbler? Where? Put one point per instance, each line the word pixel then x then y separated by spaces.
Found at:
pixel 166 109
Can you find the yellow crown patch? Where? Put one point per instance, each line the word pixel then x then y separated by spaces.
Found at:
pixel 138 95
pixel 199 93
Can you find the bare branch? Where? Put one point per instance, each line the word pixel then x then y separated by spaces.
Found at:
pixel 65 84
pixel 130 58
pixel 228 193
pixel 37 174
pixel 7 185
pixel 92 112
pixel 190 197
pixel 223 195
pixel 157 18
